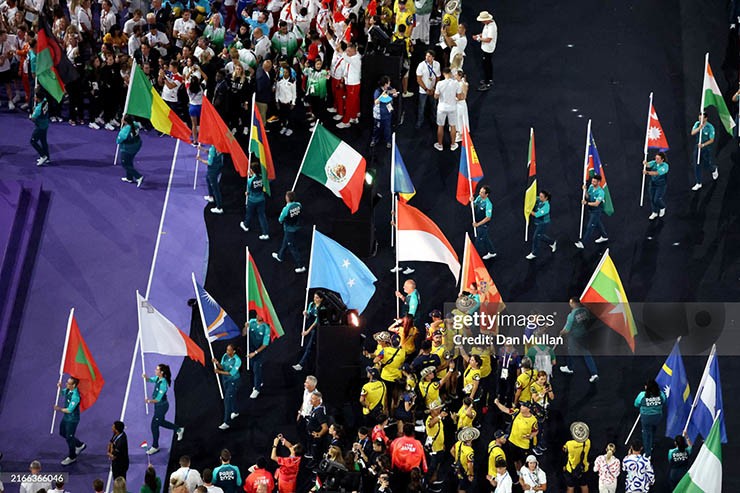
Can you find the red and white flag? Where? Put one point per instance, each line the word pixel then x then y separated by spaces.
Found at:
pixel 159 335
pixel 419 238
pixel 655 136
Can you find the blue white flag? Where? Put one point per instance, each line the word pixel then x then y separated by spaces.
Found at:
pixel 709 402
pixel 218 325
pixel 673 382
pixel 336 268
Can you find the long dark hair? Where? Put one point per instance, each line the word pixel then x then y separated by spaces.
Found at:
pixel 150 478
pixel 652 389
pixel 166 373
pixel 681 442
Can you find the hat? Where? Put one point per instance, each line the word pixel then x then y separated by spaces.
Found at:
pixel 468 434
pixel 436 404
pixel 451 6
pixel 435 313
pixel 382 336
pixel 426 371
pixel 579 431
pixel 500 434
pixel 373 371
pixel 531 458
pixel 484 17
pixel 437 333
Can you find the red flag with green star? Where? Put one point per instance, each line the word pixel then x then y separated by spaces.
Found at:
pixel 79 363
pixel 214 131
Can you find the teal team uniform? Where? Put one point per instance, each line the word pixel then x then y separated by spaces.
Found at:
pixel 70 420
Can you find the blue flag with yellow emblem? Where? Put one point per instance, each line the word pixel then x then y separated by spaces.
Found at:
pixel 673 382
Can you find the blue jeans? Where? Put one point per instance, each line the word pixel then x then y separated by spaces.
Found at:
pixel 540 234
pixel 594 222
pixel 259 209
pixel 38 141
pixel 650 424
pixel 256 366
pixel 160 409
pixel 707 162
pixel 482 242
pixel 382 125
pixel 575 348
pixel 67 429
pixel 308 347
pixel 231 386
pixel 425 98
pixel 127 161
pixel 289 243
pixel 214 190
pixel 657 192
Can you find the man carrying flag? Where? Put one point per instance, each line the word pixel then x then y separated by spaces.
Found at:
pixel 541 217
pixel 483 211
pixel 705 149
pixel 657 169
pixel 674 383
pixel 595 202
pixel 71 419
pixel 257 332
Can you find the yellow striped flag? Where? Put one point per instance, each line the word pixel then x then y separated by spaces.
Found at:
pixel 530 195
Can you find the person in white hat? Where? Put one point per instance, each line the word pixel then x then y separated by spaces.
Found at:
pixel 577 450
pixel 487 38
pixel 531 477
pixel 462 454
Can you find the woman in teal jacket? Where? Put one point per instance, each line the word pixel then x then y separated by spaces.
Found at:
pixel 650 402
pixel 162 380
pixel 130 143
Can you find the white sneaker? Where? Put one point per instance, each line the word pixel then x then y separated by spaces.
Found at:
pixel 438 146
pixel 139 181
pixel 16 98
pixel 234 415
pixel 408 94
pixel 67 460
pixel 243 226
pixel 108 126
pixel 331 110
pixel 653 216
pixel 152 451
pixel 593 378
pixel 99 120
pixel 530 256
pixel 208 198
pixel 343 125
pixel 42 160
pixel 276 257
pixel 408 270
pixel 454 146
pixel 601 239
pixel 300 270
pixel 554 246
pixel 94 126
pixel 579 245
pixel 283 130
pixel 180 433
pixel 223 426
pixel 297 367
pixel 715 174
pixel 24 106
pixel 264 237
pixel 288 132
pixel 565 369
pixel 395 269
pixel 661 213
pixel 217 210
pixel 255 393
pixel 338 117
pixel 489 255
pixel 78 450
pixel 354 120
pixel 127 180
pixel 696 187
pixel 11 107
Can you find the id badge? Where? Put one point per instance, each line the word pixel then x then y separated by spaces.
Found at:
pixel 504 373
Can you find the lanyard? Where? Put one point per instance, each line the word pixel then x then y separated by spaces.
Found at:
pixel 432 75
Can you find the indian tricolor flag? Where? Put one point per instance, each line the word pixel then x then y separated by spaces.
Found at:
pixel 419 238
pixel 159 335
pixel 144 102
pixel 605 297
pixel 530 194
pixel 333 163
pixel 705 475
pixel 712 96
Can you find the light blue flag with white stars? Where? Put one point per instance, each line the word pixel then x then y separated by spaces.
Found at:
pixel 336 268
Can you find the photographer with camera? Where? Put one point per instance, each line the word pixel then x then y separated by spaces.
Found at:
pixel 287 472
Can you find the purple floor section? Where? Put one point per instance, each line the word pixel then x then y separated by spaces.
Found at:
pixel 96 250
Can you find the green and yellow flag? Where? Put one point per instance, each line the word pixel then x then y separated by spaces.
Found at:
pixel 530 195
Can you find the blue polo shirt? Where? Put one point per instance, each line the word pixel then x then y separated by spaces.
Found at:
pixel 596 194
pixel 483 208
pixel 259 334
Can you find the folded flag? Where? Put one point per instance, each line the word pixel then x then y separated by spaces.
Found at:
pixel 218 324
pixel 259 300
pixel 530 194
pixel 79 363
pixel 402 184
pixel 159 335
pixel 594 168
pixel 673 381
pixel 656 138
pixel 470 172
pixel 712 96
pixel 214 131
pixel 336 268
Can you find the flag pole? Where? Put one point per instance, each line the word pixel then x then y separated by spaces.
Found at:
pixel 526 220
pixel 205 331
pixel 141 347
pixel 246 278
pixel 712 354
pixel 197 160
pixel 308 282
pixel 125 105
pixel 313 132
pixel 251 128
pixel 393 181
pixel 465 258
pixel 585 170
pixel 470 179
pixel 61 367
pixel 395 225
pixel 645 150
pixel 701 110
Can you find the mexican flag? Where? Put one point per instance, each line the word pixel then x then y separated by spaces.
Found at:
pixel 79 363
pixel 605 297
pixel 259 300
pixel 333 163
pixel 705 475
pixel 712 96
pixel 530 194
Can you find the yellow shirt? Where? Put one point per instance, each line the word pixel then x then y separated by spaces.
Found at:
pixel 485 356
pixel 440 352
pixel 464 454
pixel 408 341
pixel 410 8
pixel 463 419
pixel 495 452
pixel 429 391
pixel 391 362
pixel 436 433
pixel 406 18
pixel 524 382
pixel 522 426
pixel 574 450
pixel 471 376
pixel 374 393
pixel 538 393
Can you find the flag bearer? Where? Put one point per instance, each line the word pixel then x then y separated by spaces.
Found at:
pixel 40 118
pixel 162 380
pixel 71 419
pixel 657 170
pixel 229 368
pixel 130 142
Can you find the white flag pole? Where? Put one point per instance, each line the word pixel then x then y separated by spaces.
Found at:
pixel 701 108
pixel 584 175
pixel 305 154
pixel 141 347
pixel 308 283
pixel 393 182
pixel 246 276
pixel 205 331
pixel 470 179
pixel 251 125
pixel 197 161
pixel 712 354
pixel 395 222
pixel 125 105
pixel 61 368
pixel 645 150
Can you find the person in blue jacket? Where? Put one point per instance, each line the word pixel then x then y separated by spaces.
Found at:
pixel 290 218
pixel 255 201
pixel 657 169
pixel 383 111
pixel 40 118
pixel 541 215
pixel 483 214
pixel 258 339
pixel 130 143
pixel 70 420
pixel 316 316
pixel 215 164
pixel 704 132
pixel 229 368
pixel 162 380
pixel 595 201
pixel 650 402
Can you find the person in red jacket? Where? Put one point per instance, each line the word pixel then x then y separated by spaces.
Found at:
pixel 260 479
pixel 406 453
